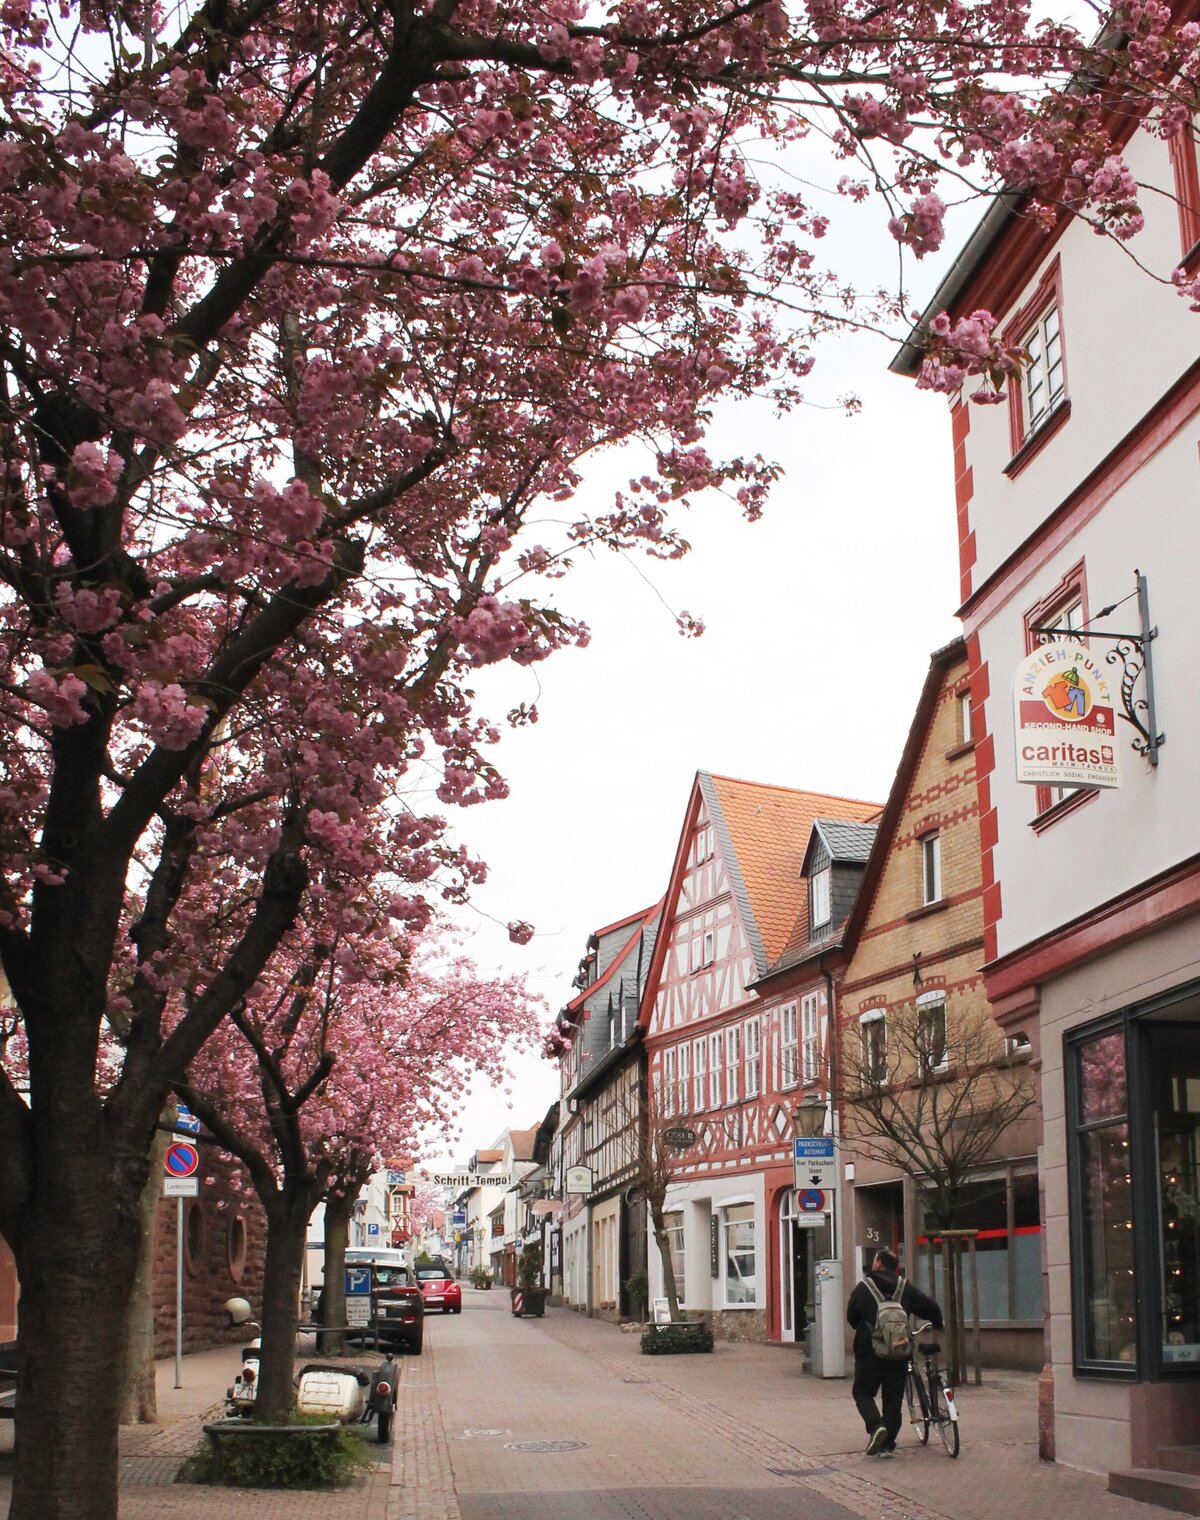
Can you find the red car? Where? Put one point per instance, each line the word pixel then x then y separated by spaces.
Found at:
pixel 439 1290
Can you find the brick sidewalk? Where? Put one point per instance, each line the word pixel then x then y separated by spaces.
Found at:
pixel 505 1419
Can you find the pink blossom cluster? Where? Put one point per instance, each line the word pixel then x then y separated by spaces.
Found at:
pixel 966 348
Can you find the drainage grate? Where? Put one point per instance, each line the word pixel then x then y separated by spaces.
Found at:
pixel 544 1445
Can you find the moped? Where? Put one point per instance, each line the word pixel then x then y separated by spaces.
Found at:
pixel 352 1395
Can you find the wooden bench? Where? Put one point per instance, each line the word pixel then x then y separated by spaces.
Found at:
pixel 241 1430
pixel 8 1393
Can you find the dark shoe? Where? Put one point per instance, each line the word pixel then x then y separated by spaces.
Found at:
pixel 879 1439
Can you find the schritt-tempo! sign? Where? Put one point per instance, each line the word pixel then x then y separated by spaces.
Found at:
pixel 465 1179
pixel 1064 718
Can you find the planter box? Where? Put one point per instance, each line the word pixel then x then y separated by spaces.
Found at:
pixel 529 1303
pixel 679 1339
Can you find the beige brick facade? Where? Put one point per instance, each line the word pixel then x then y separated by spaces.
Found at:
pixel 903 948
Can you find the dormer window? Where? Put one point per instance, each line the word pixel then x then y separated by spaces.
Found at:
pixel 820 898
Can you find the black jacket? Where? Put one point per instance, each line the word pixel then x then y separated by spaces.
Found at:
pixel 860 1311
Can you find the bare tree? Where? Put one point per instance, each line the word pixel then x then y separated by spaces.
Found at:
pixel 931 1090
pixel 648 1157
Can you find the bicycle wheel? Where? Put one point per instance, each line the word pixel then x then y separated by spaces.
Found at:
pixel 918 1405
pixel 947 1423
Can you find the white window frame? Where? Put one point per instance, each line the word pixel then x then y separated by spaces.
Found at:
pixel 926 1004
pixel 707 947
pixel 1043 379
pixel 685 1078
pixel 736 1217
pixel 820 897
pixel 789 1047
pixel 675 1239
pixel 668 1082
pixel 733 1061
pixel 810 1037
pixel 867 1022
pixel 716 1062
pixel 699 1072
pixel 931 867
pixel 753 1049
pixel 964 717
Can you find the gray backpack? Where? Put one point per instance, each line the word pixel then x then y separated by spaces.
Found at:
pixel 891 1338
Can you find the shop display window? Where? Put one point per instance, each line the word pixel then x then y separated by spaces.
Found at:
pixel 1175 1078
pixel 1106 1280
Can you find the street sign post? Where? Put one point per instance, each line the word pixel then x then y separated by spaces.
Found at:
pixel 179 1182
pixel 814 1163
pixel 358 1296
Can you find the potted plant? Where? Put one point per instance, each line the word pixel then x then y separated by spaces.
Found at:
pixel 481 1277
pixel 638 1288
pixel 529 1296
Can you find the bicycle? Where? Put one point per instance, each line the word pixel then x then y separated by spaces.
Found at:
pixel 927 1398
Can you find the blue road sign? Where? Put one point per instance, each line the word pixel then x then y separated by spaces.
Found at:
pixel 372 1229
pixel 358 1281
pixel 186 1122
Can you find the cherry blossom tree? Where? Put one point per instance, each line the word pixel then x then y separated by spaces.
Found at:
pixel 310 318
pixel 312 1082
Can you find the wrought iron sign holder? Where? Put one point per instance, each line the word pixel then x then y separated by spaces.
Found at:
pixel 1131 651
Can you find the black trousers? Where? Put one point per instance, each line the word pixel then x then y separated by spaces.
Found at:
pixel 871 1376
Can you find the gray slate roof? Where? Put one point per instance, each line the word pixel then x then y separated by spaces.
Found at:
pixel 846 841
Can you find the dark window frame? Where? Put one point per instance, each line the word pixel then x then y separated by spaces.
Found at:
pixel 1133 1024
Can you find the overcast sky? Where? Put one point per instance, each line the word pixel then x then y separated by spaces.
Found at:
pixel 820 621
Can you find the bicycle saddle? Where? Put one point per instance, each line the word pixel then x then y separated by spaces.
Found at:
pixel 929 1348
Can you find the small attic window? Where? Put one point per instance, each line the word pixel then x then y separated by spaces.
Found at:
pixel 820 897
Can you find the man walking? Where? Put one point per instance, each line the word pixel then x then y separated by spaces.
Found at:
pixel 878 1314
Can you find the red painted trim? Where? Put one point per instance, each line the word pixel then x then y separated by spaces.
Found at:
pixel 669 903
pixel 1037 441
pixel 1072 584
pixel 1047 293
pixel 1159 425
pixel 620 923
pixel 1187 189
pixel 1174 895
pixel 618 960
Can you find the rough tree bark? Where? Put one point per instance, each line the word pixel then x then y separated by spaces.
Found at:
pixel 136 1383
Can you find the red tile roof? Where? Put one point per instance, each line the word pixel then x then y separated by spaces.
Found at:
pixel 768 827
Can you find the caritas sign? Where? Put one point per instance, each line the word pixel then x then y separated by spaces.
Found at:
pixel 1064 718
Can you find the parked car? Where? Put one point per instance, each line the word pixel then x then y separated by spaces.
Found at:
pixel 397 1313
pixel 439 1290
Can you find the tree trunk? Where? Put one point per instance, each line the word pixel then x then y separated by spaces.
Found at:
pixel 662 1241
pixel 333 1294
pixel 137 1391
pixel 287 1226
pixel 76 1256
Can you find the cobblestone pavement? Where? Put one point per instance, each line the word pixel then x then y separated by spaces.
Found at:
pixel 505 1419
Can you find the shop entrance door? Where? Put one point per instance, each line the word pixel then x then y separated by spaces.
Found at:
pixel 801 1245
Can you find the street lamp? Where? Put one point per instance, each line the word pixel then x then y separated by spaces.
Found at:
pixel 809 1117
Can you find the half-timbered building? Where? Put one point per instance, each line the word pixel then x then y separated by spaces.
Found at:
pixel 601 1235
pixel 727 1055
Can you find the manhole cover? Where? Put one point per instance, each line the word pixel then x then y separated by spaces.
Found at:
pixel 544 1445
